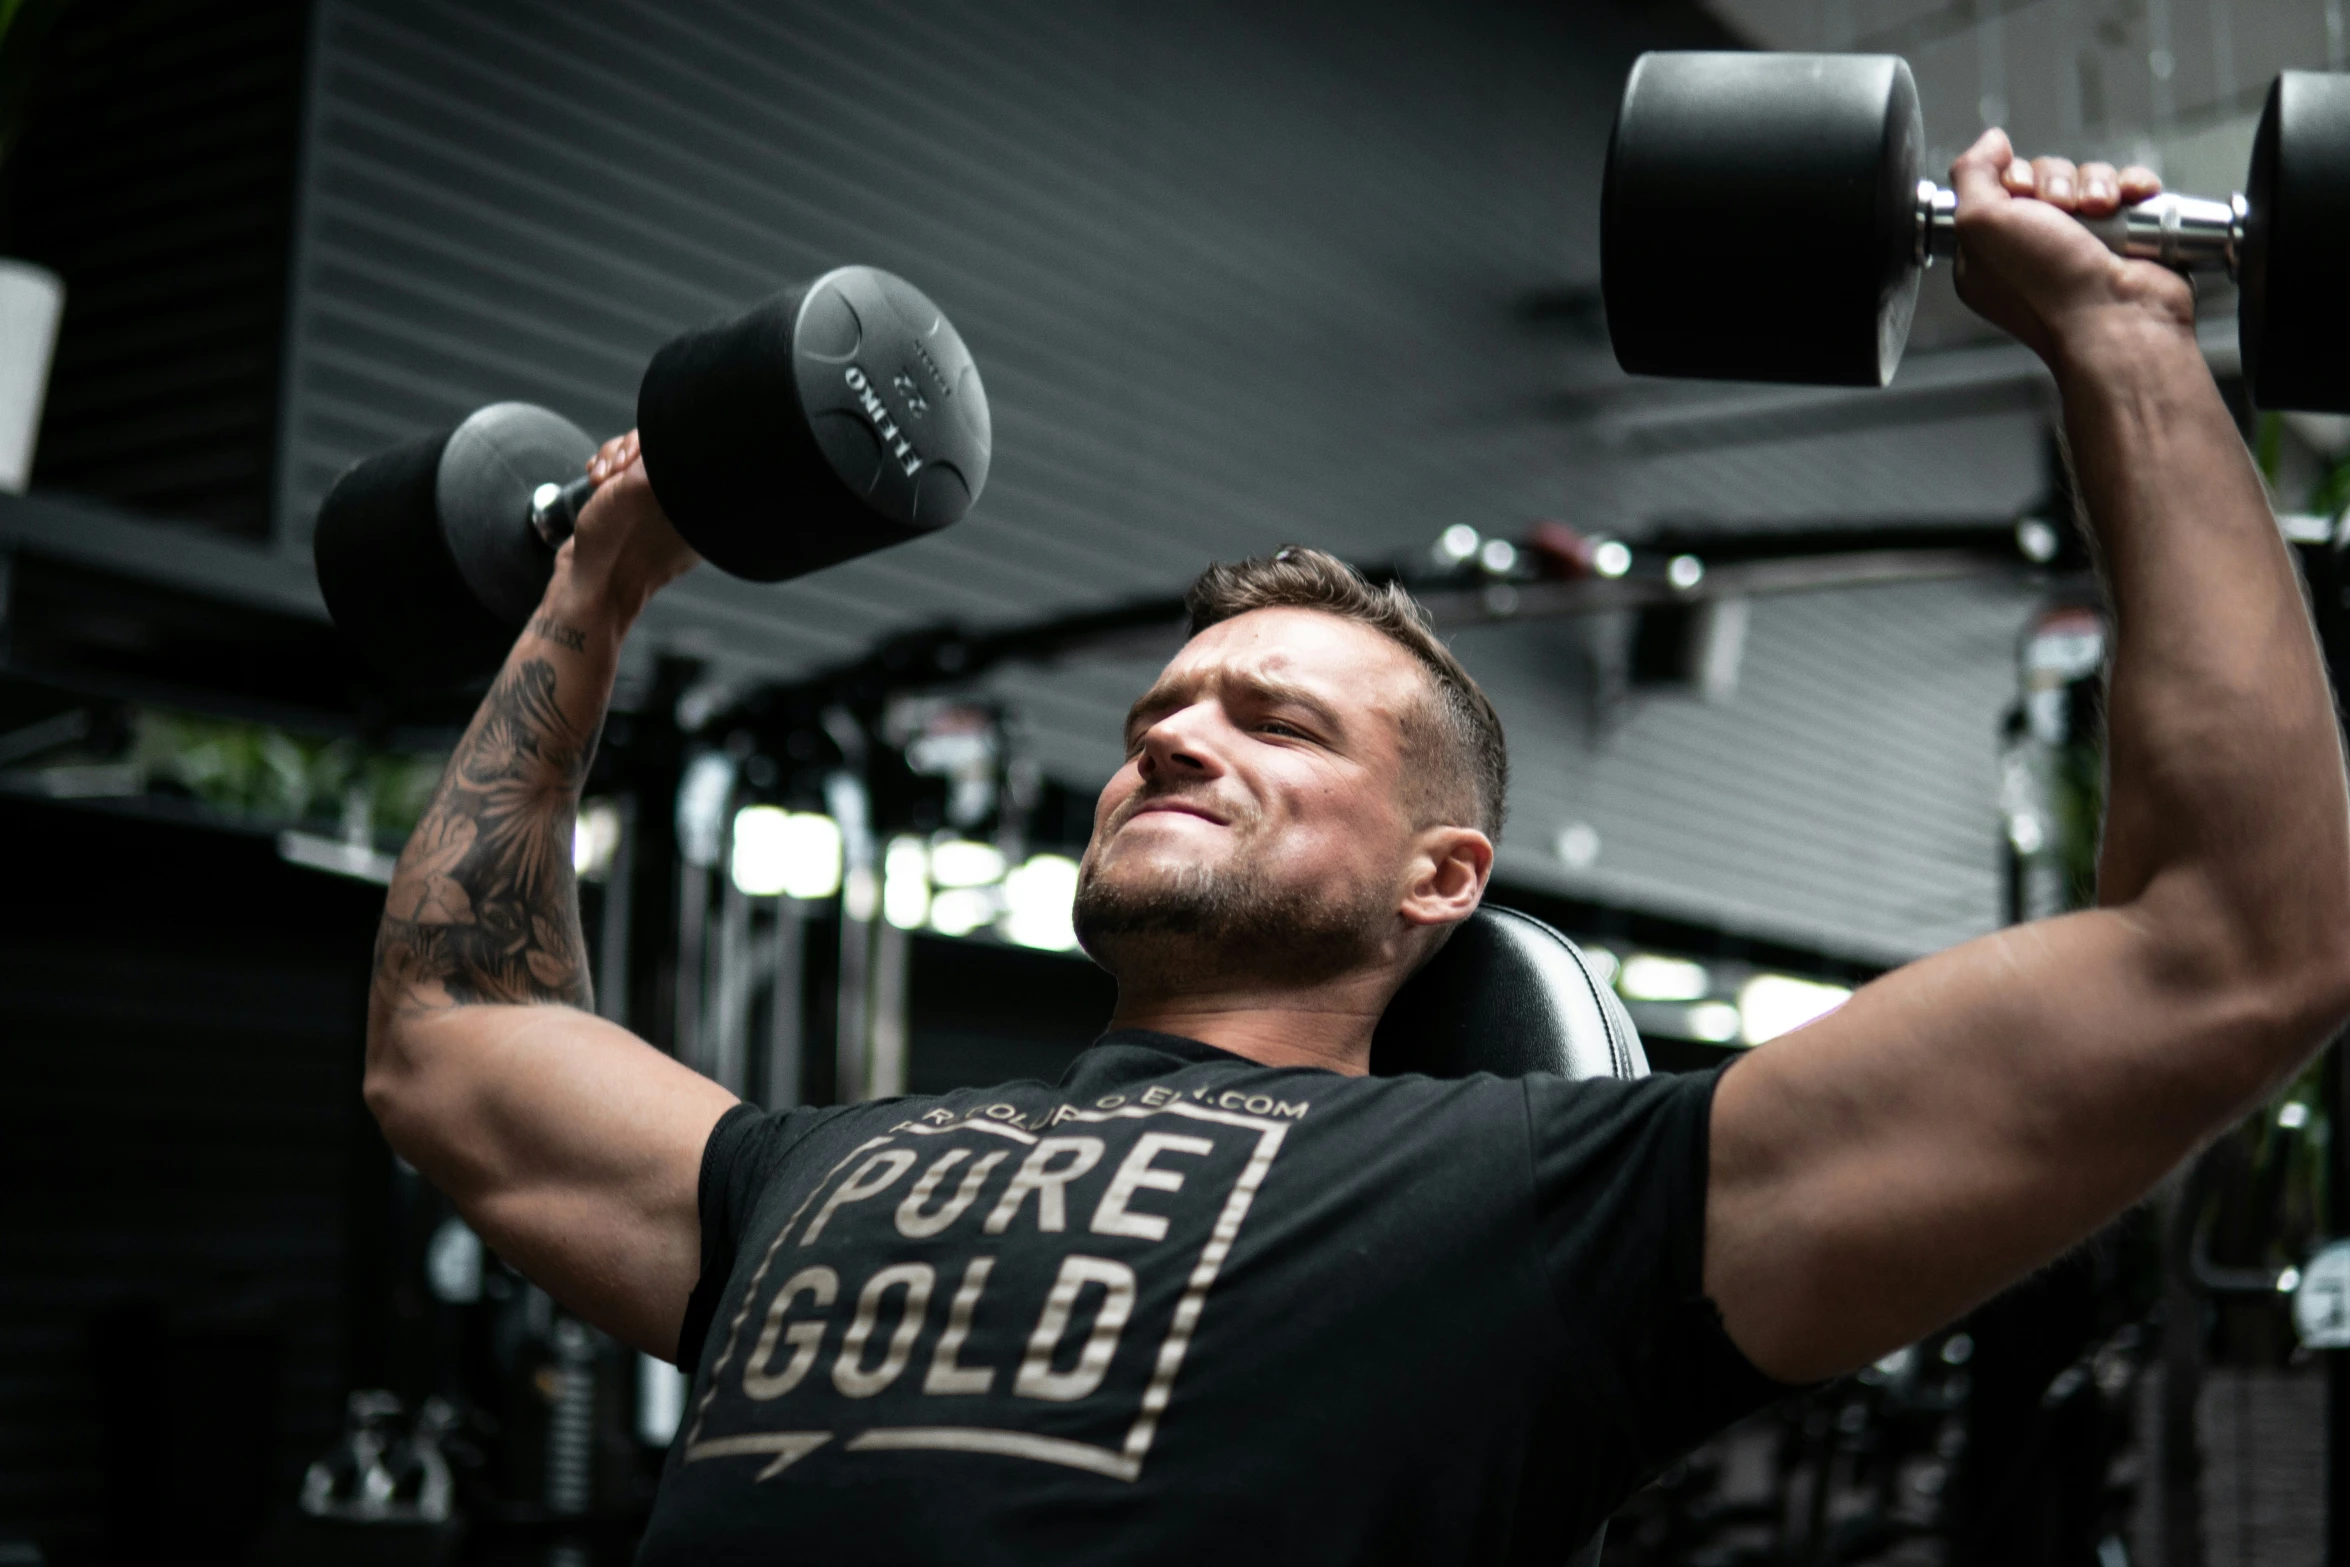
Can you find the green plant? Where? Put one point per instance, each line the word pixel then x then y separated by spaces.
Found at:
pixel 269 775
pixel 2268 445
pixel 2330 494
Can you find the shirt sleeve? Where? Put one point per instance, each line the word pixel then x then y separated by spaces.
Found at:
pixel 739 1162
pixel 1619 1188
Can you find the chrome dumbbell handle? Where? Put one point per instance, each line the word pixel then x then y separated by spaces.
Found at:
pixel 2189 233
pixel 554 509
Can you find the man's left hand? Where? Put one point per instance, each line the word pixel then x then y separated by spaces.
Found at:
pixel 2026 264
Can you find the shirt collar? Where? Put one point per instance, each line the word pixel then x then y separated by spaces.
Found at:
pixel 1176 1045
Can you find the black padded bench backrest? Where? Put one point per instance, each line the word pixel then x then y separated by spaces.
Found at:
pixel 1507 995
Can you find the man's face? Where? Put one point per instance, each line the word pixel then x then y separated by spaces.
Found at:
pixel 1260 820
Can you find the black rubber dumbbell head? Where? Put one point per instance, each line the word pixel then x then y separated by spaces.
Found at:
pixel 425 553
pixel 840 417
pixel 494 462
pixel 837 418
pixel 2293 316
pixel 1758 219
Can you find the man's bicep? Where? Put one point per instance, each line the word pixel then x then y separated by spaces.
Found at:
pixel 575 1149
pixel 1955 1124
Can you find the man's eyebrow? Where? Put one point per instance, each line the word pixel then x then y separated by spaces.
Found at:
pixel 1168 695
pixel 1283 691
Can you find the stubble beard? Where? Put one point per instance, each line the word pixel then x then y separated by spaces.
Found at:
pixel 1195 926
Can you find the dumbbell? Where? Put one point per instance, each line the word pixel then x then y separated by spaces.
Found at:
pixel 1765 218
pixel 836 418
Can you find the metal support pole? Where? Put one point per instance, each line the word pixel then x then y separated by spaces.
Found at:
pixel 570 1474
pixel 2337 1190
pixel 893 953
pixel 705 795
pixel 613 930
pixel 732 977
pixel 860 908
pixel 693 918
pixel 2178 1457
pixel 787 961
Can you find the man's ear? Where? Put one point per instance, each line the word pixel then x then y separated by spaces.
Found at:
pixel 1448 874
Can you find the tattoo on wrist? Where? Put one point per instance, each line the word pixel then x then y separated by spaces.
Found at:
pixel 549 628
pixel 485 907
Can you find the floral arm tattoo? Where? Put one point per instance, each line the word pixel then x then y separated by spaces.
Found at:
pixel 484 907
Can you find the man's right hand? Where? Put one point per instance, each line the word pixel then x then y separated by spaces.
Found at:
pixel 624 548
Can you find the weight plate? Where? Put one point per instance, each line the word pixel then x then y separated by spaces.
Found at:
pixel 889 359
pixel 2293 315
pixel 492 463
pixel 388 579
pixel 837 418
pixel 1758 216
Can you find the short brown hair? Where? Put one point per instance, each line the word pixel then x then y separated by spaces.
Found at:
pixel 1465 735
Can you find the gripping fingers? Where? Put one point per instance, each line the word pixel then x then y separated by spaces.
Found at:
pixel 2057 182
pixel 2100 190
pixel 613 457
pixel 2090 190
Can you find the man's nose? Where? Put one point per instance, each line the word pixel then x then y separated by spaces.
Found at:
pixel 1180 745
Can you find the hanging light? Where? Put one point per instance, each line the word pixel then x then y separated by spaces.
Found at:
pixel 959 862
pixel 958 911
pixel 1037 901
pixel 905 883
pixel 701 807
pixel 1715 1022
pixel 1773 1004
pixel 793 854
pixel 1648 977
pixel 595 839
pixel 1456 544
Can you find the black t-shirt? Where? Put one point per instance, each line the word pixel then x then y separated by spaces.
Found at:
pixel 1181 1307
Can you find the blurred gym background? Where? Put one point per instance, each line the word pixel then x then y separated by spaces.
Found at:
pixel 1237 276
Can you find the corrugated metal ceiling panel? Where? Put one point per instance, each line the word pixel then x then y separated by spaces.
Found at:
pixel 1842 797
pixel 1179 246
pixel 1234 277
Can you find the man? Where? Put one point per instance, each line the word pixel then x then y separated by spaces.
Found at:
pixel 1217 1291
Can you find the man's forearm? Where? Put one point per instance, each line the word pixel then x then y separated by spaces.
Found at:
pixel 2224 758
pixel 571 1146
pixel 484 906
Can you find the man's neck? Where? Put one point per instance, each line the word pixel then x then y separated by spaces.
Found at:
pixel 1327 1026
